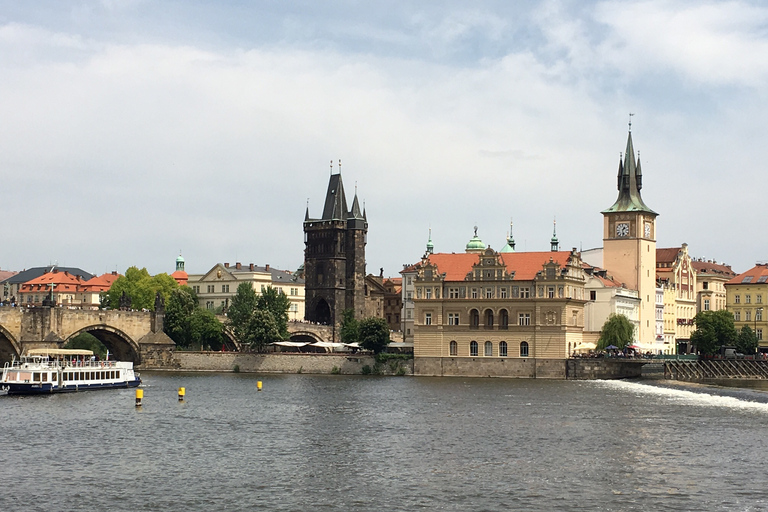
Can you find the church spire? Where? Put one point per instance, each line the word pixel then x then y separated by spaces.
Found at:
pixel 630 181
pixel 430 245
pixel 510 245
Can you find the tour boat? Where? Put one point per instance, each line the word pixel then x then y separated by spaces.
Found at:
pixel 63 370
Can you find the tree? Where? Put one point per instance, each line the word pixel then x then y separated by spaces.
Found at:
pixel 350 328
pixel 257 321
pixel 713 329
pixel 189 325
pixel 617 331
pixel 277 303
pixel 140 287
pixel 746 342
pixel 374 334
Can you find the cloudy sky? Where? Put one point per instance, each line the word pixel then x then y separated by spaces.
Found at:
pixel 131 130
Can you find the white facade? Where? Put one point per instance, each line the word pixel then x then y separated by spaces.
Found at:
pixel 607 298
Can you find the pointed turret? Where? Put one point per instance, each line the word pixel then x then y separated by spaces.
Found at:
pixel 430 245
pixel 335 201
pixel 356 213
pixel 554 243
pixel 510 245
pixel 630 181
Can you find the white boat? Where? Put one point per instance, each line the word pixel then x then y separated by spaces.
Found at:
pixel 60 370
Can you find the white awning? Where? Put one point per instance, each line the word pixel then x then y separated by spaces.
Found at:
pixel 59 352
pixel 326 344
pixel 290 343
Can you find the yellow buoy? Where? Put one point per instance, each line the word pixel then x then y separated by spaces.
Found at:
pixel 139 396
pixel 182 392
pixel 258 385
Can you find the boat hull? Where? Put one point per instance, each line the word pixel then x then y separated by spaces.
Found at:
pixel 47 388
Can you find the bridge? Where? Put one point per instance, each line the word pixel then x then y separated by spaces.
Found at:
pixel 135 336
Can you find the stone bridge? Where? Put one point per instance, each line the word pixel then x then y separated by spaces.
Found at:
pixel 130 335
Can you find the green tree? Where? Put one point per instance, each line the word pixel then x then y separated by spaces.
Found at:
pixel 258 320
pixel 374 334
pixel 87 341
pixel 713 329
pixel 277 303
pixel 746 342
pixel 140 287
pixel 189 325
pixel 617 331
pixel 206 331
pixel 350 328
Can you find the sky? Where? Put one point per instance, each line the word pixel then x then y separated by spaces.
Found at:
pixel 133 130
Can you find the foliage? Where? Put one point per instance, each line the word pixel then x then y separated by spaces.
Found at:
pixel 140 287
pixel 713 329
pixel 236 368
pixel 618 331
pixel 335 370
pixel 374 334
pixel 386 356
pixel 88 341
pixel 189 325
pixel 365 370
pixel 350 328
pixel 746 342
pixel 258 320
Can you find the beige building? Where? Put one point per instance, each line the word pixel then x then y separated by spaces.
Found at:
pixel 677 276
pixel 482 304
pixel 747 295
pixel 710 284
pixel 216 287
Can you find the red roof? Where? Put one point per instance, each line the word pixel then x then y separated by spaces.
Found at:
pixel 708 267
pixel 181 277
pixel 62 281
pixel 525 265
pixel 668 255
pixel 755 273
pixel 100 283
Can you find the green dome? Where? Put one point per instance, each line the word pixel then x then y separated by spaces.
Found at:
pixel 179 259
pixel 475 244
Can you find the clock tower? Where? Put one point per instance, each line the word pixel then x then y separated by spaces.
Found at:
pixel 629 242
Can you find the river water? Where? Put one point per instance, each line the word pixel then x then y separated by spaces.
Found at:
pixel 349 443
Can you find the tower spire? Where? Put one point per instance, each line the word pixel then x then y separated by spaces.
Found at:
pixel 554 242
pixel 630 181
pixel 430 245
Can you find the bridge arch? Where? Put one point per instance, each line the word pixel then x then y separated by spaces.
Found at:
pixel 305 337
pixel 9 347
pixel 117 342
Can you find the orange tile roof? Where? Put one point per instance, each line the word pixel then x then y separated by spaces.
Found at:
pixel 707 267
pixel 101 283
pixel 525 265
pixel 62 281
pixel 755 272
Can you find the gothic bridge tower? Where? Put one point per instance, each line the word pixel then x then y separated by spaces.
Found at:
pixel 334 258
pixel 629 241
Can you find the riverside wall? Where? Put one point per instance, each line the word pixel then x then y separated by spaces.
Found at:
pixel 345 364
pixel 571 369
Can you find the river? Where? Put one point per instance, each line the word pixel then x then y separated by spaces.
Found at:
pixel 366 443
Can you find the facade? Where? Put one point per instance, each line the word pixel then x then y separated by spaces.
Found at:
pixel 487 305
pixel 216 287
pixel 334 258
pixel 393 303
pixel 606 296
pixel 677 276
pixel 12 284
pixel 710 284
pixel 747 295
pixel 629 243
pixel 60 288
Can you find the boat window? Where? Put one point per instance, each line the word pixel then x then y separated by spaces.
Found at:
pixel 36 377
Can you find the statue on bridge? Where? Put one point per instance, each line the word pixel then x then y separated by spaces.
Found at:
pixel 125 302
pixel 159 302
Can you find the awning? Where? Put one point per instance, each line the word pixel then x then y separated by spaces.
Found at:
pixel 326 344
pixel 59 352
pixel 290 343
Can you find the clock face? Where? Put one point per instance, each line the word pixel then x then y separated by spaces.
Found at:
pixel 622 229
pixel 647 230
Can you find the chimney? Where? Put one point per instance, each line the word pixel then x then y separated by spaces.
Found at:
pixel 250 267
pixel 226 265
pixel 238 265
pixel 266 266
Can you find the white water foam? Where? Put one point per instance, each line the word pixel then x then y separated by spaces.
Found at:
pixel 706 398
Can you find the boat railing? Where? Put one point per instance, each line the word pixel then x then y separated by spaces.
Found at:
pixel 60 363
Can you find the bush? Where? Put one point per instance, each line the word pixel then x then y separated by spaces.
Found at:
pixel 335 370
pixel 365 370
pixel 300 370
pixel 400 372
pixel 236 368
pixel 383 357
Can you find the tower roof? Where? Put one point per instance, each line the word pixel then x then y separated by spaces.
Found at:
pixel 475 244
pixel 630 182
pixel 335 200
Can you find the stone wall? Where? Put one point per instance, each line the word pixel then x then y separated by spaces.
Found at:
pixel 282 363
pixel 588 369
pixel 528 368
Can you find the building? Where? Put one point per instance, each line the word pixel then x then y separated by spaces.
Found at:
pixel 216 287
pixel 710 284
pixel 393 302
pixel 677 277
pixel 179 275
pixel 747 295
pixel 60 288
pixel 12 284
pixel 605 297
pixel 334 258
pixel 629 243
pixel 483 304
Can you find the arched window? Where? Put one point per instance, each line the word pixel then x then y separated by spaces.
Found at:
pixel 503 319
pixel 473 348
pixel 523 349
pixel 502 349
pixel 488 349
pixel 488 317
pixel 454 348
pixel 474 318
